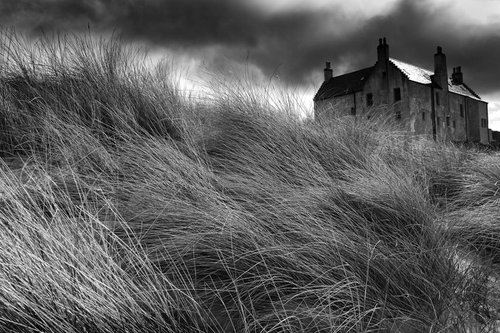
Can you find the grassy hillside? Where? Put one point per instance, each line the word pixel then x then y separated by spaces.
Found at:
pixel 139 209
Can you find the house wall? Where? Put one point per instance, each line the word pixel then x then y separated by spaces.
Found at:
pixel 419 103
pixel 338 106
pixel 457 133
pixel 382 86
pixel 477 110
pixel 495 135
pixel 473 120
pixel 441 103
pixel 483 113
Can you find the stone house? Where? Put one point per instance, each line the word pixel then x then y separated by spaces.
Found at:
pixel 421 101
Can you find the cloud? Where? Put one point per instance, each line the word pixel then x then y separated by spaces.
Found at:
pixel 295 43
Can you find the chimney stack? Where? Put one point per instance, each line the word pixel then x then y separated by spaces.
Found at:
pixel 457 77
pixel 440 69
pixel 382 50
pixel 328 71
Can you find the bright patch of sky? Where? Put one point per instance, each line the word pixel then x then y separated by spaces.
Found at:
pixel 352 7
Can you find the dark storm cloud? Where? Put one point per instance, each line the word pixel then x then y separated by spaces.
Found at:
pixel 294 43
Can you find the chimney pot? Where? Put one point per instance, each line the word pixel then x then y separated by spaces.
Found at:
pixel 440 69
pixel 382 50
pixel 457 77
pixel 328 72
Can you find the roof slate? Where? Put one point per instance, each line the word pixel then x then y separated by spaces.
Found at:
pixel 421 75
pixel 413 73
pixel 352 82
pixel 343 84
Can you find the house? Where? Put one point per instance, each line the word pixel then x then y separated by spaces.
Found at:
pixel 495 138
pixel 421 101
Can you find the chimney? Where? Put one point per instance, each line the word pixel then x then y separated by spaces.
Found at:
pixel 328 71
pixel 382 50
pixel 457 77
pixel 440 69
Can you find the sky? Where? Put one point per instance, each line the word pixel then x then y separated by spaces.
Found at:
pixel 289 40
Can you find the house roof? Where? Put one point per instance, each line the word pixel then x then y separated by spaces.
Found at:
pixel 413 73
pixel 423 76
pixel 343 84
pixel 352 82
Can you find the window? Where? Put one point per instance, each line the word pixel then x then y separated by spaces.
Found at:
pixel 397 94
pixel 447 121
pixel 369 99
pixel 437 98
pixel 398 115
pixel 461 110
pixel 423 115
pixel 454 124
pixel 438 122
pixel 384 74
pixel 484 123
pixel 353 111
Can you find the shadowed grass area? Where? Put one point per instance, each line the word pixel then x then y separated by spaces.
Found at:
pixel 138 209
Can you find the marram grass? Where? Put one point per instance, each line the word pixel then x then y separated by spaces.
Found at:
pixel 139 209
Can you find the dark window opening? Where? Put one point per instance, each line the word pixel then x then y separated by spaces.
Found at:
pixel 398 115
pixel 369 99
pixel 353 111
pixel 397 94
pixel 448 121
pixel 454 124
pixel 384 74
pixel 423 115
pixel 438 122
pixel 437 98
pixel 484 123
pixel 461 110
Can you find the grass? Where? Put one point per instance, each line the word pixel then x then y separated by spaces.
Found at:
pixel 140 209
